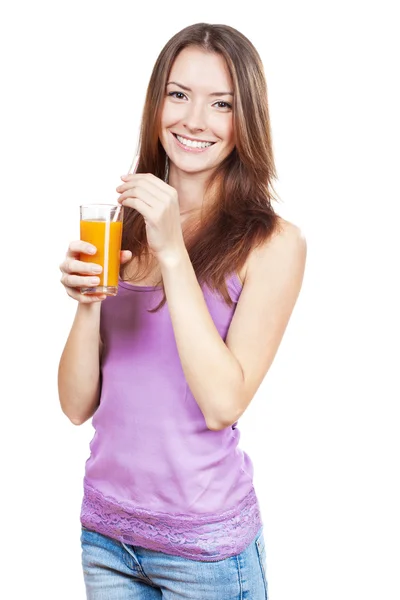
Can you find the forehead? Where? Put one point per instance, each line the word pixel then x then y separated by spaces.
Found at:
pixel 201 70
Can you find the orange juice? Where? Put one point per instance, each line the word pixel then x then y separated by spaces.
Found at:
pixel 106 237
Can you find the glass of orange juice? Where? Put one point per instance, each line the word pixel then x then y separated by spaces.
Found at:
pixel 101 225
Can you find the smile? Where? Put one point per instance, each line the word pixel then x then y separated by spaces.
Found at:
pixel 192 145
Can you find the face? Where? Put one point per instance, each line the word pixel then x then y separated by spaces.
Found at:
pixel 196 121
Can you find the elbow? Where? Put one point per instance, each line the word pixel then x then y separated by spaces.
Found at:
pixel 81 419
pixel 74 418
pixel 76 421
pixel 66 409
pixel 220 423
pixel 235 406
pixel 79 409
pixel 216 425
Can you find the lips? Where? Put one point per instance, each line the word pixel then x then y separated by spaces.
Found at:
pixel 193 139
pixel 193 145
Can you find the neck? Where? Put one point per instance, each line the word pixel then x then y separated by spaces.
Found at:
pixel 190 188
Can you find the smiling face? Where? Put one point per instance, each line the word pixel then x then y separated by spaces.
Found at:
pixel 196 119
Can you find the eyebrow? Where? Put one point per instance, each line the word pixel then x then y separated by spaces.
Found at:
pixel 189 90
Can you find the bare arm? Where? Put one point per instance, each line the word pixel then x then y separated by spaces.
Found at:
pixel 224 377
pixel 79 368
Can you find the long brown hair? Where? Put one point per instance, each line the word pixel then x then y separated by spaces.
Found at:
pixel 240 216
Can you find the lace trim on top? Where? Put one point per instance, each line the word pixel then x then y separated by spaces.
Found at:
pixel 210 537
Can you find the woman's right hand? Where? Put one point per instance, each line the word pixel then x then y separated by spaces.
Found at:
pixel 77 274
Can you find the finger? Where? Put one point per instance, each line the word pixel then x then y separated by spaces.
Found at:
pixel 147 181
pixel 125 256
pixel 159 183
pixel 145 177
pixel 145 193
pixel 71 265
pixel 77 281
pixel 142 207
pixel 79 246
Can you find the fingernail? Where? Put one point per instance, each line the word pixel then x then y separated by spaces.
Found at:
pixel 91 250
pixel 124 177
pixel 94 280
pixel 97 269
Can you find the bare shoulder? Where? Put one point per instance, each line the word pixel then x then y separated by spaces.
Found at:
pixel 285 249
pixel 272 284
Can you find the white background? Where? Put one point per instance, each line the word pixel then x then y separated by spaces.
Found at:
pixel 323 429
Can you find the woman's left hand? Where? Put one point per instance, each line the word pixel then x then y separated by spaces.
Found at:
pixel 158 203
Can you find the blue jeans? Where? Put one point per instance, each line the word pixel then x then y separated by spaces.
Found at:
pixel 116 571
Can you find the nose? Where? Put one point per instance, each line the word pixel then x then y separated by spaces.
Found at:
pixel 194 120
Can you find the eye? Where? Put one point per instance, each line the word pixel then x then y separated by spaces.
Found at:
pixel 177 95
pixel 222 104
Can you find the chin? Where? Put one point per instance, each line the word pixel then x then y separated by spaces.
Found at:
pixel 193 164
pixel 192 169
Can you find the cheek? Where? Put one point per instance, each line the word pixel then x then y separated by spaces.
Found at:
pixel 170 115
pixel 224 127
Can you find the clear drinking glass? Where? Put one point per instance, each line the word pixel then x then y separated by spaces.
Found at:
pixel 101 226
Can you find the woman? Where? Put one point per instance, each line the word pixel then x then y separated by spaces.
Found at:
pixel 209 278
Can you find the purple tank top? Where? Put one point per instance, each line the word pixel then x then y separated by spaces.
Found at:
pixel 156 476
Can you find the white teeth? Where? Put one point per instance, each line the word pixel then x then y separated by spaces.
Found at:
pixel 192 144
